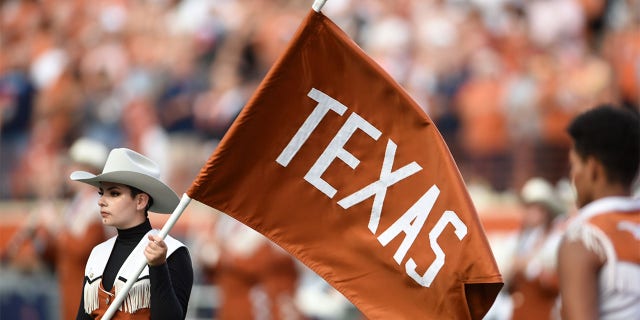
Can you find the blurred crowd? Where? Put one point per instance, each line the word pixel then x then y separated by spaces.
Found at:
pixel 500 78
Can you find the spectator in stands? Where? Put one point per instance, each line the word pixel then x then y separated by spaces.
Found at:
pixel 483 120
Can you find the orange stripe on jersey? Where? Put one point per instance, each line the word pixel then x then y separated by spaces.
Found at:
pixel 623 229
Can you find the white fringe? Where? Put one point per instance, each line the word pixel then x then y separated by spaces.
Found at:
pixel 591 237
pixel 139 296
pixel 91 302
pixel 596 241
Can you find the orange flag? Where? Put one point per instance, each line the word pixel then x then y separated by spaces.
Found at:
pixel 333 161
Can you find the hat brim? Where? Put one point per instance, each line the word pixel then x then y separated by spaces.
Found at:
pixel 165 200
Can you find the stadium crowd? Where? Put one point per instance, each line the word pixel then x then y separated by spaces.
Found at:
pixel 501 79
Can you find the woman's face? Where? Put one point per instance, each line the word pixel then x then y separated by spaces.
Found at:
pixel 535 215
pixel 118 208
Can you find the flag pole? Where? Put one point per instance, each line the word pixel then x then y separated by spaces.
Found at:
pixel 318 4
pixel 142 261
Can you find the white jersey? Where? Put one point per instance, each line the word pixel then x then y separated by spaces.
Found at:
pixel 610 227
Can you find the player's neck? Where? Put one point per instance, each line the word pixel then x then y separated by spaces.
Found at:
pixel 612 190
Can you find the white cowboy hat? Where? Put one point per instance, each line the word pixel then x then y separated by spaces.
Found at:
pixel 133 169
pixel 89 152
pixel 539 190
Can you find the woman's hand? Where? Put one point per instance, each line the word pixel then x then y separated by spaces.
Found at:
pixel 156 251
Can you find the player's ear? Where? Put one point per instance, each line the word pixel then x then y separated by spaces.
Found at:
pixel 595 170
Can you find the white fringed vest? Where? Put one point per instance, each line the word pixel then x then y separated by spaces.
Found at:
pixel 139 296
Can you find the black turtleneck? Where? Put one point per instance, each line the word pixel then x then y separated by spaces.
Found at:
pixel 171 282
pixel 126 241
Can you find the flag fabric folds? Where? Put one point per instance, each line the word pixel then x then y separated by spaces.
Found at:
pixel 333 161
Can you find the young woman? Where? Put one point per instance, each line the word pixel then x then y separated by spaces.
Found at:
pixel 129 188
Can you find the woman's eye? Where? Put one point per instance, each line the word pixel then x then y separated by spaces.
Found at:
pixel 100 193
pixel 115 194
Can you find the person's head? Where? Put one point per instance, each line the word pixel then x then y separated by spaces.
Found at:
pixel 129 186
pixel 87 155
pixel 541 203
pixel 605 155
pixel 122 206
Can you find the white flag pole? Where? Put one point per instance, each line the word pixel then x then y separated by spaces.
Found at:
pixel 318 4
pixel 142 261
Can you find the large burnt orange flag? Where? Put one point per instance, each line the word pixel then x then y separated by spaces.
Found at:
pixel 333 161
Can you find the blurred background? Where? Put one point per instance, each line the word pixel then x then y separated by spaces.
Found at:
pixel 500 78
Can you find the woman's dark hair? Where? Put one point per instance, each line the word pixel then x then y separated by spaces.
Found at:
pixel 135 191
pixel 612 136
